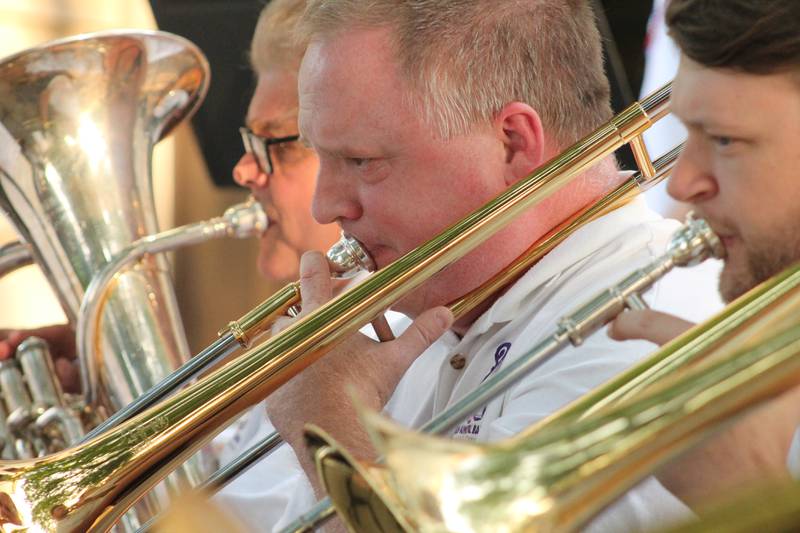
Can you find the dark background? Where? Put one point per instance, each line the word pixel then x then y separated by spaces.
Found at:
pixel 222 29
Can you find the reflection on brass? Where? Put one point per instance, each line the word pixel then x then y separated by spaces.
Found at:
pixel 462 236
pixel 558 474
pixel 767 507
pixel 98 480
pixel 78 121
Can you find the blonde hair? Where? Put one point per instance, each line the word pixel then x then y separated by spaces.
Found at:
pixel 466 59
pixel 275 42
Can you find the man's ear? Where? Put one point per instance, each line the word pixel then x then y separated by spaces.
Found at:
pixel 520 129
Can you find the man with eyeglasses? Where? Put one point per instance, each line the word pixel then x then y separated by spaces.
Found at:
pixel 262 147
pixel 277 168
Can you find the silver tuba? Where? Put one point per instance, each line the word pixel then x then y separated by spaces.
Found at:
pixel 78 121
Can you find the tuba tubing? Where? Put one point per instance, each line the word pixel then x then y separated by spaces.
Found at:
pixel 14 255
pixel 79 118
pixel 240 221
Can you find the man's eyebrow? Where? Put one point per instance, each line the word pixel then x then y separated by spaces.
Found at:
pixel 285 124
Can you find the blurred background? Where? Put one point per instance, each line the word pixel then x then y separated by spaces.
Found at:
pixel 192 168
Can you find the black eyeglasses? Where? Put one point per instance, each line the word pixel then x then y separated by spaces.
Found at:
pixel 260 147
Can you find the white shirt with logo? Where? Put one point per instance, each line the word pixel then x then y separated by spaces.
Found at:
pixel 275 491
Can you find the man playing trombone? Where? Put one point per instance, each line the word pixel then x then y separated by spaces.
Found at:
pixel 420 114
pixel 737 93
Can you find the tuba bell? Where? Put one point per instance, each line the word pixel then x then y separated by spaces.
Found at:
pixel 78 121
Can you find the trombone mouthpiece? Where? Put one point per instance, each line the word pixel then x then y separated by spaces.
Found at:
pixel 244 220
pixel 694 243
pixel 347 258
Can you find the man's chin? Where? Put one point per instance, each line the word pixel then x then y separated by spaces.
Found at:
pixel 734 282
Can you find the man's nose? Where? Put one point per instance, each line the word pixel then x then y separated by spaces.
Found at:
pixel 692 178
pixel 247 174
pixel 335 198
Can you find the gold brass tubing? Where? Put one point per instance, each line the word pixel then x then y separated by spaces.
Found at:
pixel 89 486
pixel 259 319
pixel 620 196
pixel 623 194
pixel 771 506
pixel 642 157
pixel 555 478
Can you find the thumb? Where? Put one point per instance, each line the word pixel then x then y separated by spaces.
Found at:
pixel 648 325
pixel 316 286
pixel 423 332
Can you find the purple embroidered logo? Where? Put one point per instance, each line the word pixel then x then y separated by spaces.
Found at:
pixel 472 425
pixel 499 356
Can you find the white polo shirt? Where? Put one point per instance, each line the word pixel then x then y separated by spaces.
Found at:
pixel 275 491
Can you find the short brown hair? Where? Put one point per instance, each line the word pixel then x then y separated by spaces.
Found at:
pixel 466 59
pixel 755 36
pixel 275 43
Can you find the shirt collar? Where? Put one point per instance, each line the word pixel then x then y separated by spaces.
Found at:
pixel 574 251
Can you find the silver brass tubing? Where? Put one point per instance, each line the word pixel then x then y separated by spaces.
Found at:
pixel 6 440
pixel 14 255
pixel 694 243
pixel 20 409
pixel 346 258
pixel 49 406
pixel 78 121
pixel 217 351
pixel 239 221
pixel 34 357
pixel 241 464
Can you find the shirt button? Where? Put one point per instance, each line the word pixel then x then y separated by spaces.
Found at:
pixel 458 361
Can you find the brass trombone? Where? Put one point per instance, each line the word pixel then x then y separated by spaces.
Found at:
pixel 635 184
pixel 90 486
pixel 632 186
pixel 771 506
pixel 561 472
